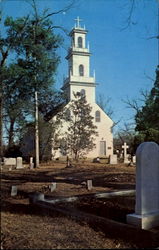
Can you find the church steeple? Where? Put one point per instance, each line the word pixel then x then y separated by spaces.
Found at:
pixel 79 64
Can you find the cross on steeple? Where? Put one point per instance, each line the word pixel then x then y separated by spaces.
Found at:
pixel 78 20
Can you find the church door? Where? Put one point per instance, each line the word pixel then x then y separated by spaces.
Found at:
pixel 102 147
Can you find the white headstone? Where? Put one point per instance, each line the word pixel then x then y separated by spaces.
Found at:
pixel 13 190
pixel 52 186
pixel 89 184
pixel 147 187
pixel 19 163
pixel 9 161
pixel 113 159
pixel 134 159
pixel 31 164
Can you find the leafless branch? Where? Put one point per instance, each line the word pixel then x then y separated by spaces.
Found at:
pixel 149 77
pixel 132 104
pixel 59 11
pixel 116 122
pixel 59 27
pixel 129 18
pixel 151 37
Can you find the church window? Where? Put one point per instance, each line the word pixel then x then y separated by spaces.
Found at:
pixel 83 92
pixel 97 116
pixel 80 42
pixel 81 70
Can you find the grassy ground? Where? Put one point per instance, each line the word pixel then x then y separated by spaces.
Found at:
pixel 24 227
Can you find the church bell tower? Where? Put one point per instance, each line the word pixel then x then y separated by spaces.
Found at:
pixel 79 79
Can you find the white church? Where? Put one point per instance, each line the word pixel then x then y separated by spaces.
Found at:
pixel 80 80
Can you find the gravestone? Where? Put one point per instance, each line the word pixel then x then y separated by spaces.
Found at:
pixel 9 161
pixel 134 159
pixel 113 159
pixel 121 154
pixel 31 164
pixel 19 163
pixel 125 146
pixel 89 185
pixel 52 186
pixel 14 190
pixel 146 214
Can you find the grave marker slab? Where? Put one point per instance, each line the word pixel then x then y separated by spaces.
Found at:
pixel 113 159
pixel 31 164
pixel 14 190
pixel 52 186
pixel 9 161
pixel 134 159
pixel 89 185
pixel 146 214
pixel 19 163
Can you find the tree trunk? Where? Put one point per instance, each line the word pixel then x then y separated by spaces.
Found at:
pixel 11 133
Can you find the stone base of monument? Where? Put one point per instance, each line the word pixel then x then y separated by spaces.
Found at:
pixel 126 160
pixel 146 222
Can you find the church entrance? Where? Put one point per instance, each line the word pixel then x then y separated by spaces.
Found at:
pixel 102 148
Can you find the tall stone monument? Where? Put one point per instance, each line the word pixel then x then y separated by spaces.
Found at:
pixel 125 147
pixel 146 214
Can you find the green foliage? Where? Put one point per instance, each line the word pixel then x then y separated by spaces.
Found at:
pixel 32 41
pixel 147 118
pixel 79 139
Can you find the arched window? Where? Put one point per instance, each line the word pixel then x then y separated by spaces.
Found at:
pixel 81 70
pixel 97 116
pixel 80 45
pixel 83 92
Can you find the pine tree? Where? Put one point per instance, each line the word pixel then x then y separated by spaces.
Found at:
pixel 147 118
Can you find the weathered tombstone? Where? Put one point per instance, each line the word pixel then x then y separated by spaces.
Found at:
pixel 10 168
pixel 134 159
pixel 125 146
pixel 52 186
pixel 31 164
pixel 9 161
pixel 89 185
pixel 19 163
pixel 146 214
pixel 14 190
pixel 113 159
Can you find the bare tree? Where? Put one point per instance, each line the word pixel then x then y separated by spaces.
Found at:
pixel 104 104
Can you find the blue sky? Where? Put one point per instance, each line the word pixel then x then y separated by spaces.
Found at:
pixel 121 58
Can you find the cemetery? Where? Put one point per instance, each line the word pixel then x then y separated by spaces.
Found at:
pixel 76 172
pixel 92 204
